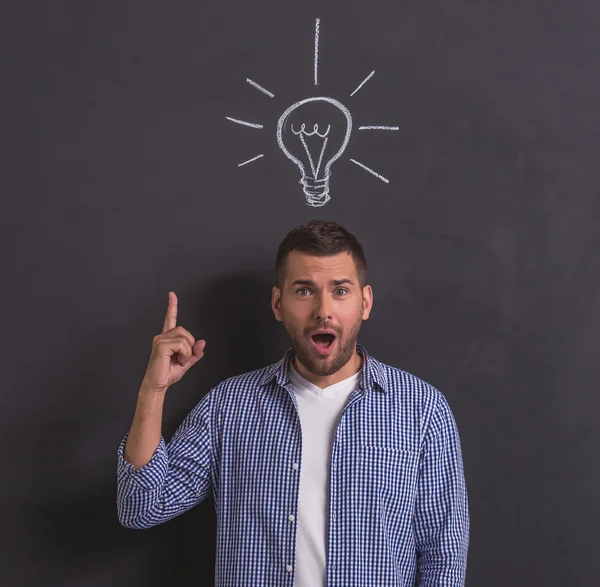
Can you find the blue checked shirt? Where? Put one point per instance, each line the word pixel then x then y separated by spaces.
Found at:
pixel 398 509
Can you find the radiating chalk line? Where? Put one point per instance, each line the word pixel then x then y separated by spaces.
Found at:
pixel 317 27
pixel 260 88
pixel 378 128
pixel 370 170
pixel 251 124
pixel 250 160
pixel 363 83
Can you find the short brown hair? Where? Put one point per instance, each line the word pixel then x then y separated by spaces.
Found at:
pixel 321 238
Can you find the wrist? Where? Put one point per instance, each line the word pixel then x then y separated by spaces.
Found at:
pixel 152 393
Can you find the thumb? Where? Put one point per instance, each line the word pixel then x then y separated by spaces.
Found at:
pixel 197 353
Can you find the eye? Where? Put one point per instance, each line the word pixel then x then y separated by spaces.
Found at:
pixel 302 289
pixel 343 291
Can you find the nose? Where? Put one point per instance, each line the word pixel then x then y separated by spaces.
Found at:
pixel 323 308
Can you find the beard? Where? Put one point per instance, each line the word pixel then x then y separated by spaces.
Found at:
pixel 323 366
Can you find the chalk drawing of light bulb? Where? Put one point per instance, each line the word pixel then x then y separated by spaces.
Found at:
pixel 314 133
pixel 314 150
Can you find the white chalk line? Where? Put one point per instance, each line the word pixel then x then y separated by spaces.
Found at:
pixel 302 133
pixel 321 156
pixel 251 124
pixel 314 132
pixel 317 27
pixel 363 83
pixel 310 159
pixel 378 128
pixel 260 88
pixel 250 160
pixel 370 171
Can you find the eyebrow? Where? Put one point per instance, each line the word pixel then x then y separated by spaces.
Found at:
pixel 332 282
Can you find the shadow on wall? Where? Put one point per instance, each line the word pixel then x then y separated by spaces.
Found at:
pixel 76 533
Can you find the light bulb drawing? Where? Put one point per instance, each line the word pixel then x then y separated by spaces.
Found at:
pixel 315 172
pixel 314 133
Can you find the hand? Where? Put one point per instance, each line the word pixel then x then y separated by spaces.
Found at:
pixel 174 352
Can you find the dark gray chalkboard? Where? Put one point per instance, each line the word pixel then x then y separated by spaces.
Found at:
pixel 122 180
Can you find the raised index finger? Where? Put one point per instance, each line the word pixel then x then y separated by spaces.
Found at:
pixel 171 317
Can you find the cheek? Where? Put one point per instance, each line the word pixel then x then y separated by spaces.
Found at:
pixel 297 308
pixel 295 314
pixel 350 318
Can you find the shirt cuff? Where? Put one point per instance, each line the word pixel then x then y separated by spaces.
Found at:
pixel 151 475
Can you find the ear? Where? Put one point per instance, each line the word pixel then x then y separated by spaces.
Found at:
pixel 367 301
pixel 276 303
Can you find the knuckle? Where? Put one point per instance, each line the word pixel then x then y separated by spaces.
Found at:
pixel 186 334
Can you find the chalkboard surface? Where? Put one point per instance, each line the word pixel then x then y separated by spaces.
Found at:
pixel 141 154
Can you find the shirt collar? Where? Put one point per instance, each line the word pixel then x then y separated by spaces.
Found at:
pixel 373 376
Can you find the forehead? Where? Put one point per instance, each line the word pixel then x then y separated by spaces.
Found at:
pixel 303 266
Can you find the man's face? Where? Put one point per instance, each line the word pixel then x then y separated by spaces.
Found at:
pixel 322 306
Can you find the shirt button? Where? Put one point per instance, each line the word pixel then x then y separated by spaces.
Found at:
pixel 289 568
pixel 295 466
pixel 291 517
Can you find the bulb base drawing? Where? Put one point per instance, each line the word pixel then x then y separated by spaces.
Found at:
pixel 316 190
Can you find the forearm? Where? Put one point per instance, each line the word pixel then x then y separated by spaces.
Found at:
pixel 157 481
pixel 145 432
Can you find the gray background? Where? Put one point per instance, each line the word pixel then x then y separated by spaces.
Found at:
pixel 120 183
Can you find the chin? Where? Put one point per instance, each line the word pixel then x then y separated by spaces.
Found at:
pixel 323 366
pixel 322 370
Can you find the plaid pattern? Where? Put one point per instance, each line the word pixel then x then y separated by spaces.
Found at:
pixel 398 509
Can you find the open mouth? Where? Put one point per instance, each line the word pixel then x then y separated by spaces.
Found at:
pixel 323 342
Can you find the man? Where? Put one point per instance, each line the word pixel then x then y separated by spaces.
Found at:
pixel 328 467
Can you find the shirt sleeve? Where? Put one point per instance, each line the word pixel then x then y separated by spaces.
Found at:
pixel 441 513
pixel 177 477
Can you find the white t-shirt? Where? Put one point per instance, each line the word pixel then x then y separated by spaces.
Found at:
pixel 319 411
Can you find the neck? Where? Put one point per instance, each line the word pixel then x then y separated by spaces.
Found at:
pixel 321 381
